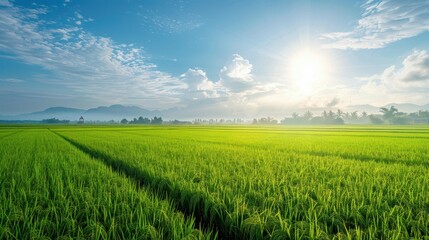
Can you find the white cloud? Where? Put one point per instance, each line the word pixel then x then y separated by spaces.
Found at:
pixel 92 66
pixel 414 71
pixel 237 76
pixel 415 68
pixel 79 19
pixel 236 93
pixel 383 22
pixel 407 83
pixel 199 86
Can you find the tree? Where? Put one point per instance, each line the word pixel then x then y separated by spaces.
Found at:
pixel 124 121
pixel 354 115
pixel 388 113
pixel 140 120
pixel 54 120
pixel 308 115
pixel 424 113
pixel 347 115
pixel 364 114
pixel 339 113
pixel 325 114
pixel 402 120
pixel 331 115
pixel 156 120
pixel 375 120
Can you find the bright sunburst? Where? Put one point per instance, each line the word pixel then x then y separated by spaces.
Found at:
pixel 308 69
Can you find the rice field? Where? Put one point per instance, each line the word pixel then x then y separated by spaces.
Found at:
pixel 214 182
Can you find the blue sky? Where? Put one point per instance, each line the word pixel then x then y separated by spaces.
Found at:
pixel 241 57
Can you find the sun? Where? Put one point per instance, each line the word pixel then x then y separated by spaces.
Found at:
pixel 308 69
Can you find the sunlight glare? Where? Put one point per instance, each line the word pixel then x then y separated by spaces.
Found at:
pixel 307 70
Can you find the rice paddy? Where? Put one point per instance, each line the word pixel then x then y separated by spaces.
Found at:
pixel 210 182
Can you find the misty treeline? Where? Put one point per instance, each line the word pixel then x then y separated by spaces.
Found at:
pixel 386 116
pixel 393 116
pixel 143 120
pixel 54 120
pixel 390 115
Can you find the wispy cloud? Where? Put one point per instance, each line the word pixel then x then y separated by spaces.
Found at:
pixel 176 22
pixel 12 80
pixel 173 25
pixel 383 22
pixel 78 19
pixel 91 65
pixel 333 102
pixel 5 3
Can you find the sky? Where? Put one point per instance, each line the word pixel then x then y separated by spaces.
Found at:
pixel 223 57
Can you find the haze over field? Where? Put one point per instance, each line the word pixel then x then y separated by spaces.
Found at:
pixel 213 59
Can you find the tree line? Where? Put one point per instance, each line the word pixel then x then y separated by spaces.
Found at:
pixel 393 116
pixel 143 120
pixel 387 116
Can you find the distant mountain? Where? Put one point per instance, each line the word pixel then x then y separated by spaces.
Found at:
pixel 60 110
pixel 103 113
pixel 402 107
pixel 53 112
pixel 118 112
pixel 407 107
pixel 362 108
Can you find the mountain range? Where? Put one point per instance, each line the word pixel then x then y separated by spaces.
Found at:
pixel 402 107
pixel 118 112
pixel 103 113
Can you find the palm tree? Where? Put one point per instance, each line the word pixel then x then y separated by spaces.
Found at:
pixel 331 115
pixel 308 115
pixel 325 114
pixel 388 112
pixel 347 115
pixel 354 115
pixel 339 113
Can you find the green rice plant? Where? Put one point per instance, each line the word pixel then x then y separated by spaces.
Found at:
pixel 51 190
pixel 279 182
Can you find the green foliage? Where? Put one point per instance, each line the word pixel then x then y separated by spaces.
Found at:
pixel 54 120
pixel 142 120
pixel 375 120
